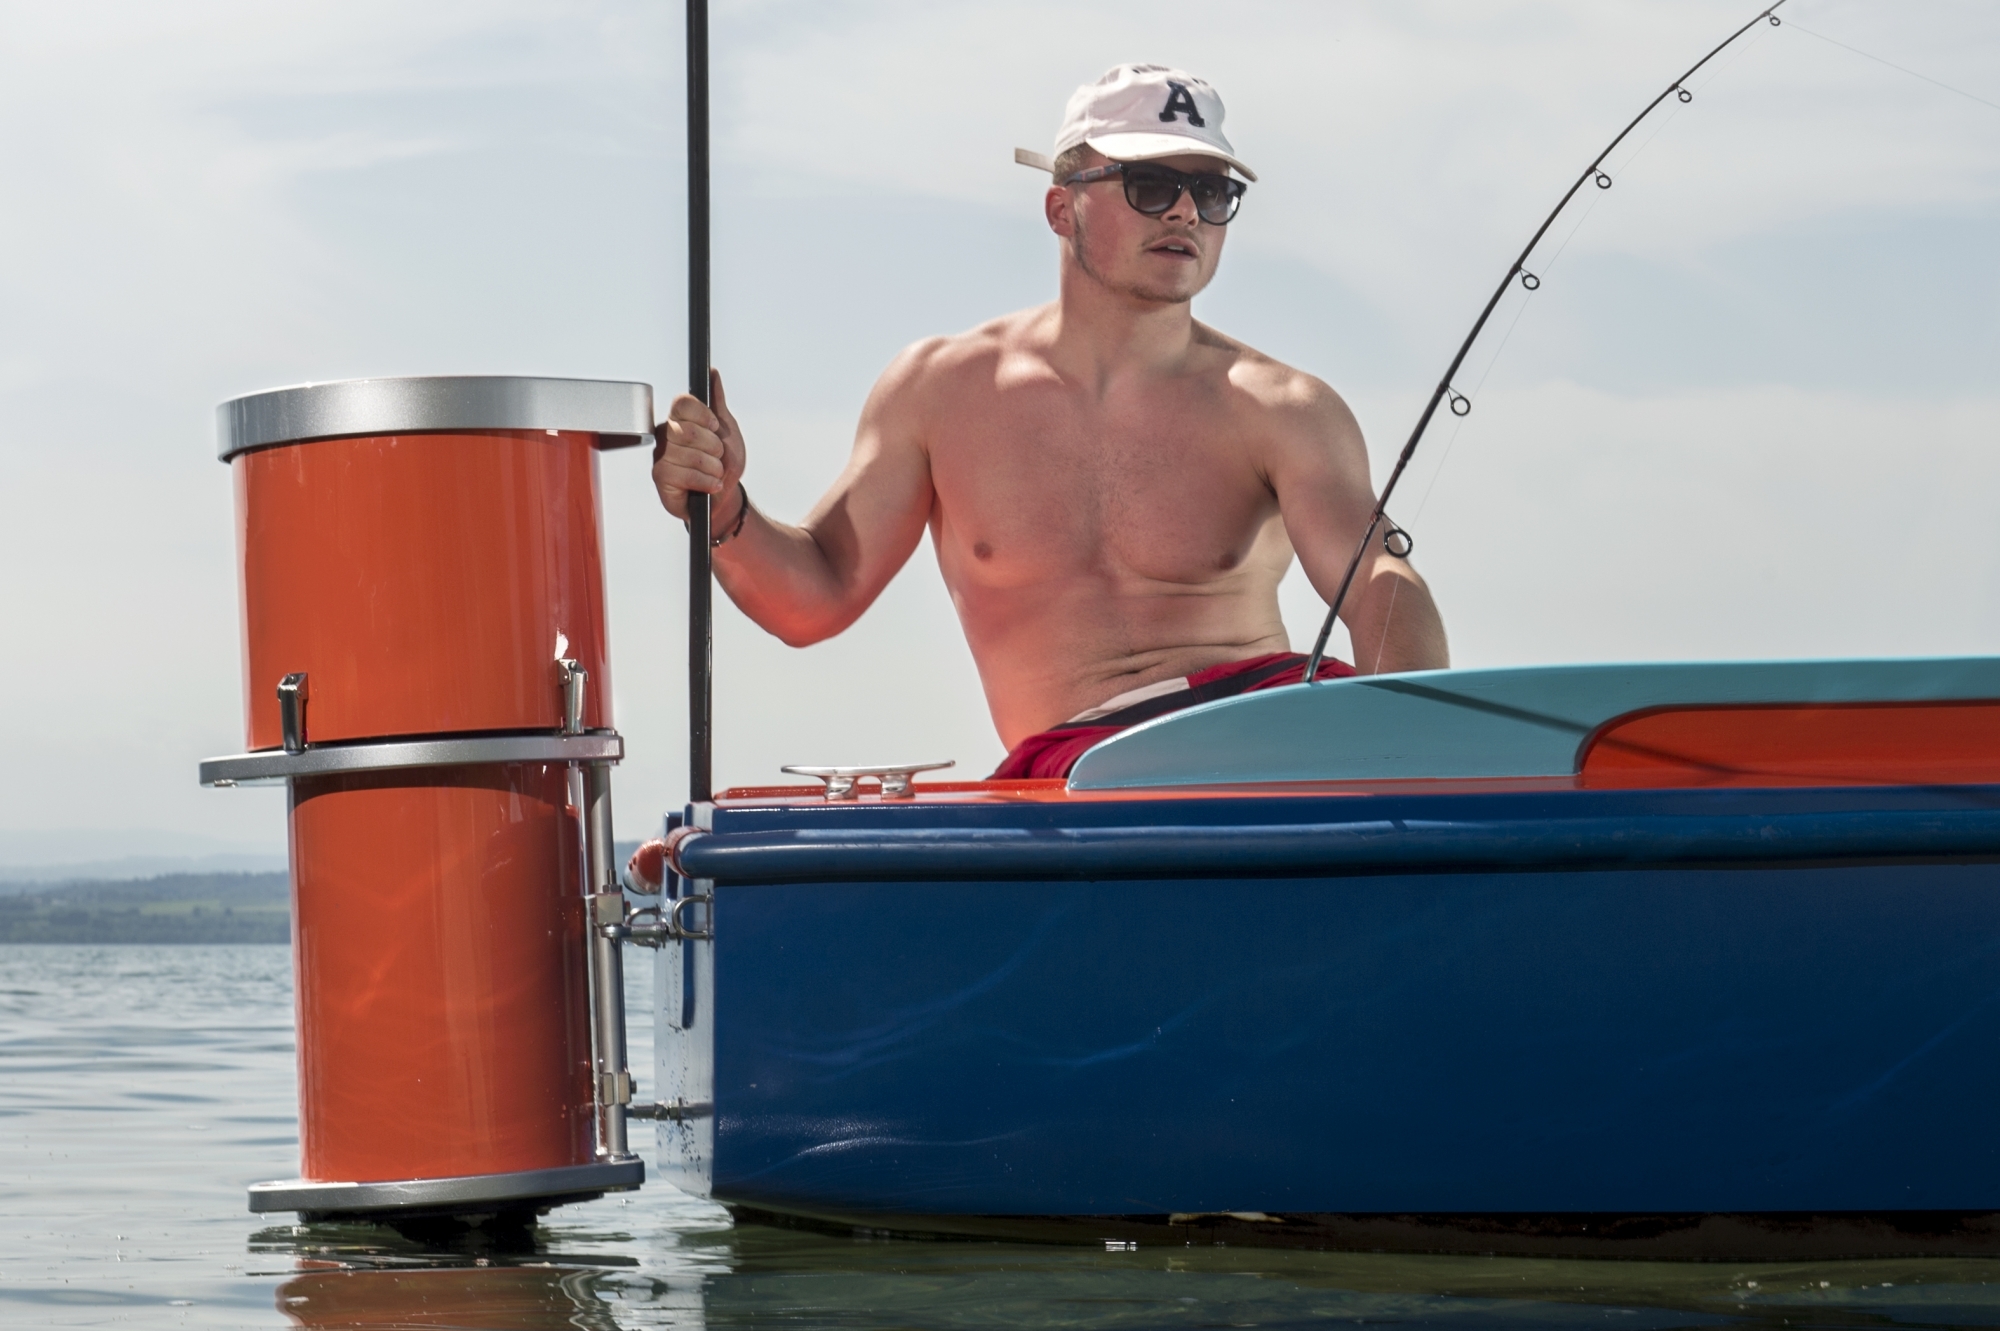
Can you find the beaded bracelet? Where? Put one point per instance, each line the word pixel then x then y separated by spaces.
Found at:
pixel 742 516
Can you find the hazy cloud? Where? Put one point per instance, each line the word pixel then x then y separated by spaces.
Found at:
pixel 1750 413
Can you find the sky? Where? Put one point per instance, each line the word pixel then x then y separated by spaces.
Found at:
pixel 1752 412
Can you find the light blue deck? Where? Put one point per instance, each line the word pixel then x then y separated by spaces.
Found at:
pixel 1443 724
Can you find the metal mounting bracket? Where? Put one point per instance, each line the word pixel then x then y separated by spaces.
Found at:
pixel 656 926
pixel 292 695
pixel 678 1111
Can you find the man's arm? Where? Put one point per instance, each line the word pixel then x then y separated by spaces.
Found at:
pixel 807 583
pixel 1318 467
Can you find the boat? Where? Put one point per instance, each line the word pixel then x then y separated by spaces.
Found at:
pixel 1690 960
pixel 1684 960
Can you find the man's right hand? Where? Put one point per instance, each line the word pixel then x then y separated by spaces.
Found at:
pixel 699 450
pixel 805 583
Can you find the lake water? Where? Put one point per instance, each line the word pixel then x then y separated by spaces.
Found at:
pixel 141 1089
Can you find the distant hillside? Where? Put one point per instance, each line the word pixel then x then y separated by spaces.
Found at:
pixel 166 908
pixel 171 908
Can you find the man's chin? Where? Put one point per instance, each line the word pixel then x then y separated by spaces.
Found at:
pixel 1175 290
pixel 1177 293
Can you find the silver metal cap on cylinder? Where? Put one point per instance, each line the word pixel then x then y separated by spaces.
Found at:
pixel 619 413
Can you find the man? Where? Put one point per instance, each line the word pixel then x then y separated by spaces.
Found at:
pixel 1114 490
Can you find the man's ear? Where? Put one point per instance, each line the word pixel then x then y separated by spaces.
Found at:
pixel 1059 206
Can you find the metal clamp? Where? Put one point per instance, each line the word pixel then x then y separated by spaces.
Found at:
pixel 292 711
pixel 642 928
pixel 675 928
pixel 656 926
pixel 590 795
pixel 603 746
pixel 678 1111
pixel 841 782
pixel 573 679
pixel 670 918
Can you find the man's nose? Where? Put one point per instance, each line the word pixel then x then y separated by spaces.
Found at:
pixel 1183 210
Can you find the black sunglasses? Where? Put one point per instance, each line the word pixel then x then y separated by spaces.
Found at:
pixel 1152 189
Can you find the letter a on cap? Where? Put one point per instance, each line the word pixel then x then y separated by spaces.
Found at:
pixel 1136 113
pixel 1179 101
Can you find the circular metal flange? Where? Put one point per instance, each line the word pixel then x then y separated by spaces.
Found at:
pixel 600 746
pixel 430 1194
pixel 619 413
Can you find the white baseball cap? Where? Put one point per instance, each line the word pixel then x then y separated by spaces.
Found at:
pixel 1139 112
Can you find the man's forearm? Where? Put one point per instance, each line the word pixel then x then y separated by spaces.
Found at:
pixel 1395 625
pixel 780 577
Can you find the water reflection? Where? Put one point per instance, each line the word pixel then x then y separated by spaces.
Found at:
pixel 756 1276
pixel 559 1275
pixel 140 1089
pixel 508 1299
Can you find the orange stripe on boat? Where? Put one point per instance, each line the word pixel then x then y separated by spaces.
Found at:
pixel 1853 744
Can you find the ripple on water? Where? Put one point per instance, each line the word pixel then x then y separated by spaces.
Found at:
pixel 140 1089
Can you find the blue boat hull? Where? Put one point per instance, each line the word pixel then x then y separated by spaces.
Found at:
pixel 1512 1047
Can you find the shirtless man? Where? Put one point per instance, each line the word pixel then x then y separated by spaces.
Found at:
pixel 1114 490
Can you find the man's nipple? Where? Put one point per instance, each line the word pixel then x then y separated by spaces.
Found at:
pixel 981 550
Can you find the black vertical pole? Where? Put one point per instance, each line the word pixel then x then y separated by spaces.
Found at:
pixel 701 582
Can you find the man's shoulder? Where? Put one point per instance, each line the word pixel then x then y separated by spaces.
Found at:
pixel 932 379
pixel 1263 382
pixel 974 349
pixel 946 366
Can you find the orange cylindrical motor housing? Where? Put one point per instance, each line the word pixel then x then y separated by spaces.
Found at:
pixel 424 582
pixel 438 936
pixel 422 554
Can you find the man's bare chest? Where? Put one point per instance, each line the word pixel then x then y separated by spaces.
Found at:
pixel 1031 489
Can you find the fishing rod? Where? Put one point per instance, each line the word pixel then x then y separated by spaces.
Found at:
pixel 1395 540
pixel 701 552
